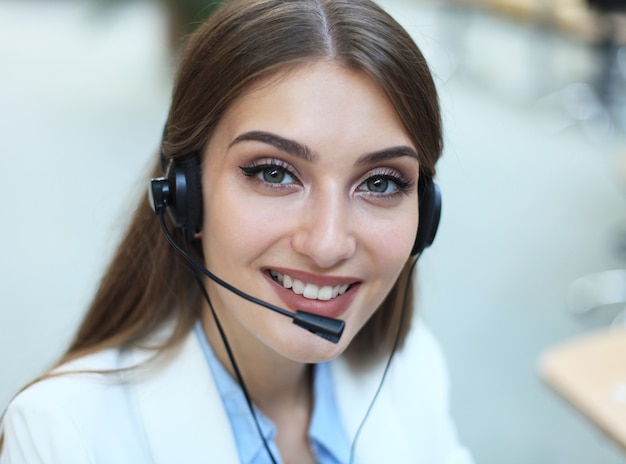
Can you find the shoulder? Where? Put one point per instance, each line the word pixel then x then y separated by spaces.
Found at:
pixel 67 385
pixel 412 407
pixel 421 361
pixel 56 418
pixel 103 374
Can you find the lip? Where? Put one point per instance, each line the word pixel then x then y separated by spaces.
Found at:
pixel 329 308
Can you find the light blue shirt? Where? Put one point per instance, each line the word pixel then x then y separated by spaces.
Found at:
pixel 326 434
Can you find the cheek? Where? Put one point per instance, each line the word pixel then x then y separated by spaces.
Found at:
pixel 390 239
pixel 388 243
pixel 237 227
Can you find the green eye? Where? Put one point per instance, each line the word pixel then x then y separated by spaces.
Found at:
pixel 378 184
pixel 270 173
pixel 273 175
pixel 385 185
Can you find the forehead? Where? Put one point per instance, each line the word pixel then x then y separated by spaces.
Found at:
pixel 315 102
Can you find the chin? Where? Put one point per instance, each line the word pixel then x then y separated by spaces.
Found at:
pixel 305 347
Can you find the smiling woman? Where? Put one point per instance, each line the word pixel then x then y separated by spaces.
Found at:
pixel 298 161
pixel 289 191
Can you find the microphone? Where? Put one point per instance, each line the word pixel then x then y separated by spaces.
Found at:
pixel 325 327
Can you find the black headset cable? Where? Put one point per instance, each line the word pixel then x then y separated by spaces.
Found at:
pixel 195 268
pixel 189 259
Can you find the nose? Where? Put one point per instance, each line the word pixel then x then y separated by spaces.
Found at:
pixel 325 233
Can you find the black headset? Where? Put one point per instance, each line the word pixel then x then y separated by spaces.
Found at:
pixel 180 192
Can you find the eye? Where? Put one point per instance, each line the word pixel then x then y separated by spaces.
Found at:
pixel 380 184
pixel 270 173
pixel 275 175
pixel 385 185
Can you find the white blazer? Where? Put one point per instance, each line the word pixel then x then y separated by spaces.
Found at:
pixel 171 412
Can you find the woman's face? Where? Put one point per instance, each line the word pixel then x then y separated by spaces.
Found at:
pixel 310 202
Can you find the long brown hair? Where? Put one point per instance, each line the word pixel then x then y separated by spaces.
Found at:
pixel 242 43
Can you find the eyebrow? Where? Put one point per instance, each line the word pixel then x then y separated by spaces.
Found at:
pixel 302 151
pixel 386 154
pixel 288 146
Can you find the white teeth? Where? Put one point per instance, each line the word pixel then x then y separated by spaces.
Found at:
pixel 297 287
pixel 310 291
pixel 325 293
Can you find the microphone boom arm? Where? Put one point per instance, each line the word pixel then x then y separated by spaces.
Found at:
pixel 328 328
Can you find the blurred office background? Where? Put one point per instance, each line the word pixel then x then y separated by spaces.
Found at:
pixel 534 182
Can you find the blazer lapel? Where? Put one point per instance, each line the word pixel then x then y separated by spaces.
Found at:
pixel 383 438
pixel 182 411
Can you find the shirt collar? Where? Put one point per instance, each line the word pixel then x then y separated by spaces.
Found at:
pixel 249 444
pixel 326 433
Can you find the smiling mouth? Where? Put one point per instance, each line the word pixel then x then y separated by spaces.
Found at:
pixel 307 290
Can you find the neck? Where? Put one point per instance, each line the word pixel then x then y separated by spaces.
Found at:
pixel 274 382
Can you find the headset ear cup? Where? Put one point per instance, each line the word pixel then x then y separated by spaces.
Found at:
pixel 185 195
pixel 429 215
pixel 191 167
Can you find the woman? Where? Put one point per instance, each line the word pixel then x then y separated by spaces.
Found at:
pixel 302 137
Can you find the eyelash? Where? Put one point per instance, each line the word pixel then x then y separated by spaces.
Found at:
pixel 255 169
pixel 403 186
